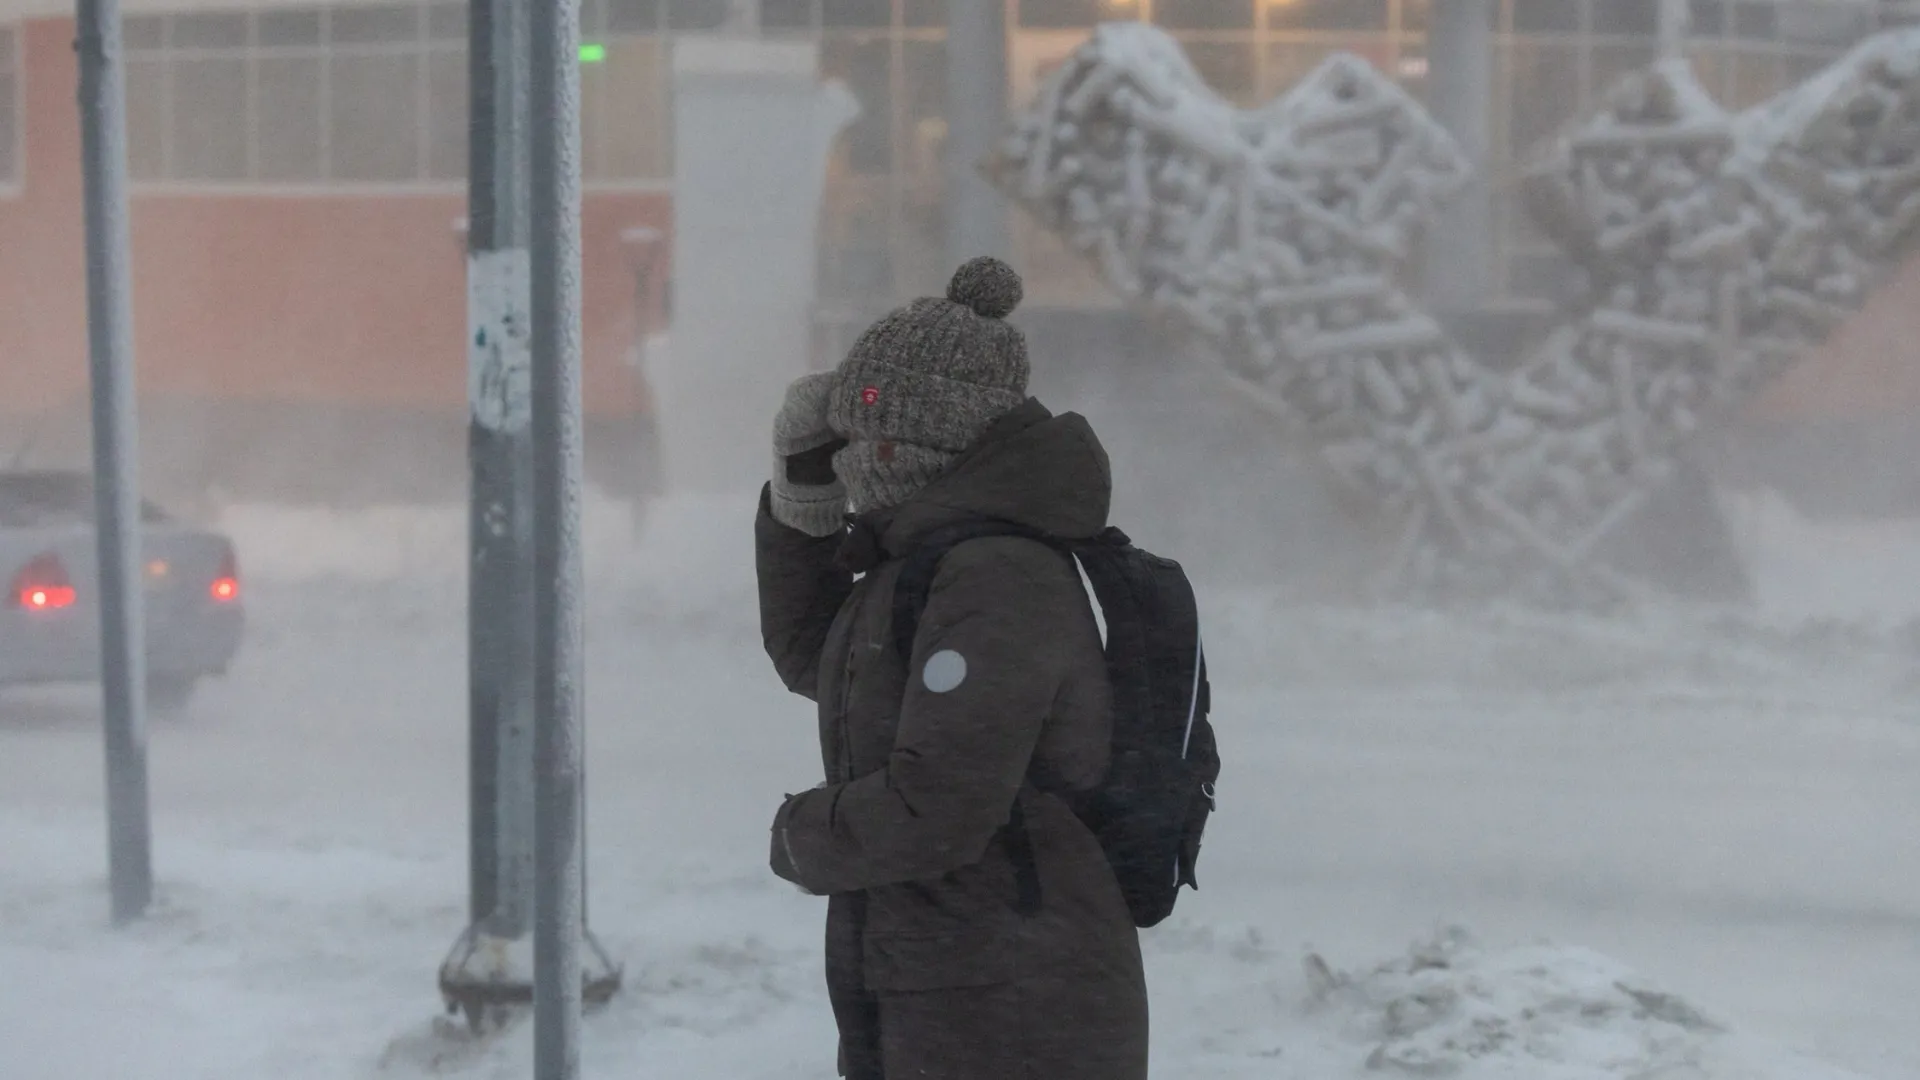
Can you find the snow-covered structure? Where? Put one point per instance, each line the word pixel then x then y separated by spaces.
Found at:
pixel 1719 248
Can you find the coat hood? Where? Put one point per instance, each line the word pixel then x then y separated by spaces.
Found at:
pixel 1032 468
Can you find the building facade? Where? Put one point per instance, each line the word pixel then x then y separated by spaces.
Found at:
pixel 298 175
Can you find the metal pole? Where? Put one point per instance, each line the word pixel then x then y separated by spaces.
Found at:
pixel 1458 260
pixel 482 508
pixel 1676 23
pixel 116 441
pixel 488 969
pixel 558 627
pixel 492 968
pixel 500 615
pixel 976 114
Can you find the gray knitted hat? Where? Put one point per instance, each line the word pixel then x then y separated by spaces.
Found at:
pixel 924 383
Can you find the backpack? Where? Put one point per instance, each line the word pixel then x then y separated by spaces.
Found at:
pixel 1151 808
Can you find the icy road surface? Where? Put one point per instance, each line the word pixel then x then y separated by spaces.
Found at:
pixel 1713 823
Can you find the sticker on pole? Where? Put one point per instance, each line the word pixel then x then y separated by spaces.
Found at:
pixel 499 347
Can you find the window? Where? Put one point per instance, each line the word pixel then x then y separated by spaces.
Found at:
pixel 632 16
pixel 1204 14
pixel 447 114
pixel 923 13
pixel 210 95
pixel 1229 69
pixel 695 14
pixel 1707 18
pixel 626 113
pixel 289 122
pixel 10 103
pixel 1416 16
pixel 1626 18
pixel 294 95
pixel 1546 16
pixel 1329 15
pixel 856 14
pixel 787 14
pixel 208 31
pixel 364 94
pixel 373 107
pixel 1070 14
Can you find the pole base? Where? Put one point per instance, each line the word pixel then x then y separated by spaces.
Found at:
pixel 487 977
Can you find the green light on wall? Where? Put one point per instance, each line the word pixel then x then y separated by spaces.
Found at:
pixel 592 52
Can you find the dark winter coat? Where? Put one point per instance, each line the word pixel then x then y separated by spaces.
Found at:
pixel 932 970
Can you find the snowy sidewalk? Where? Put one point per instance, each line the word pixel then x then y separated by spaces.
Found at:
pixel 307 965
pixel 1725 809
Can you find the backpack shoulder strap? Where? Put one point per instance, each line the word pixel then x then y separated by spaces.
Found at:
pixel 915 583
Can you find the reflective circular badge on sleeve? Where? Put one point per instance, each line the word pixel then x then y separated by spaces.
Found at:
pixel 945 671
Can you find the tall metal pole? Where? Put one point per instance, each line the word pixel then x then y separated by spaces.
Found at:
pixel 116 442
pixel 1458 261
pixel 492 968
pixel 976 115
pixel 500 655
pixel 558 626
pixel 489 968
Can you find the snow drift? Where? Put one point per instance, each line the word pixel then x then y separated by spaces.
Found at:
pixel 1543 1012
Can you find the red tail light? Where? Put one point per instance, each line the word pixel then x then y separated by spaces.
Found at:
pixel 43 585
pixel 226 587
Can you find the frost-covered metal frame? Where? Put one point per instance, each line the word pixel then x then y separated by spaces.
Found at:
pixel 1719 247
pixel 13 133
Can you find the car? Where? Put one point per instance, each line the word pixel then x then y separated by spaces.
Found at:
pixel 50 614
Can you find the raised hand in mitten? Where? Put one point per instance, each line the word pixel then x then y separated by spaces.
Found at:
pixel 806 494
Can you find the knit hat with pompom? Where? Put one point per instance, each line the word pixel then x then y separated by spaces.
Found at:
pixel 925 382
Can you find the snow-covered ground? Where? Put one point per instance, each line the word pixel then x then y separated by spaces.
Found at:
pixel 1859 568
pixel 1684 844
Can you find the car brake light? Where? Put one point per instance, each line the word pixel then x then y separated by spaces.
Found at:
pixel 226 587
pixel 43 585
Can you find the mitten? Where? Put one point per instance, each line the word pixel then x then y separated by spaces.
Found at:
pixel 806 494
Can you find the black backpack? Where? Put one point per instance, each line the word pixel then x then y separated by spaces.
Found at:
pixel 1151 808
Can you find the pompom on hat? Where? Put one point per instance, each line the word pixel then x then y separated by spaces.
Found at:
pixel 987 286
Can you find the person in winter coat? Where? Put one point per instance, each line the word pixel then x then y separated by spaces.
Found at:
pixel 957 949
